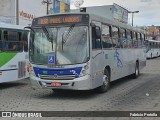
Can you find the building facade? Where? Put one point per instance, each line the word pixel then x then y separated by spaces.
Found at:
pixel 153 32
pixel 7 11
pixel 26 11
pixel 61 6
pixel 29 9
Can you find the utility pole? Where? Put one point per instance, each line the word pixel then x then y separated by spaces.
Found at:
pixel 17 12
pixel 48 3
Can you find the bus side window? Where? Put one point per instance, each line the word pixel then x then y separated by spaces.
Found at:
pixel 13 40
pixel 5 35
pixel 106 36
pixel 5 42
pixel 123 38
pixel 135 41
pixel 139 40
pixel 142 39
pixel 20 42
pixel 96 39
pixel 0 40
pixel 25 41
pixel 115 37
pixel 128 41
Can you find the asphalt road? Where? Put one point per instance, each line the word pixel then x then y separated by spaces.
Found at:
pixel 127 94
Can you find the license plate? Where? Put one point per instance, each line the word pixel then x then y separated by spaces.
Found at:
pixel 56 84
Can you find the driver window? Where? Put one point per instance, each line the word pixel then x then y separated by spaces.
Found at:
pixel 96 42
pixel 25 41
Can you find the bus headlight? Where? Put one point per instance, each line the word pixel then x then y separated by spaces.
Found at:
pixel 86 67
pixel 84 71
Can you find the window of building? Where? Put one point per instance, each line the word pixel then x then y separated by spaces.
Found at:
pixel 106 36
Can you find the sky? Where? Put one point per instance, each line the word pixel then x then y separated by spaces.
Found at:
pixel 149 10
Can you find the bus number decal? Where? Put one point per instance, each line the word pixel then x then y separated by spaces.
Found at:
pixel 117 57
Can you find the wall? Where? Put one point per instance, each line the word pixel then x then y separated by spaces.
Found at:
pixel 28 9
pixel 7 11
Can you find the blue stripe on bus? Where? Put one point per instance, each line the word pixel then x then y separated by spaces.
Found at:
pixel 58 71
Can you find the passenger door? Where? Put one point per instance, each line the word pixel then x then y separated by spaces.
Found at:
pixel 96 55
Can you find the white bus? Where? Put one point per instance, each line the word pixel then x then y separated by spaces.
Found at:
pixel 13 52
pixel 83 52
pixel 153 48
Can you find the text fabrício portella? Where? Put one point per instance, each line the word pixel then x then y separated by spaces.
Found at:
pixel 143 114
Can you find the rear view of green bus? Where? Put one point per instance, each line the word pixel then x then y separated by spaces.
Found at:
pixel 13 52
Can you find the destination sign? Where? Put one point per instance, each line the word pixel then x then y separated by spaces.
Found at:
pixel 60 19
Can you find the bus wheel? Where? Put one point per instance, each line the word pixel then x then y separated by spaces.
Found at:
pixel 137 72
pixel 106 83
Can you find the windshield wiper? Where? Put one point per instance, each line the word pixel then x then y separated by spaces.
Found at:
pixel 46 32
pixel 47 35
pixel 65 38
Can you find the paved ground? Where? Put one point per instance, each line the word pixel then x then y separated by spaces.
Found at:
pixel 142 94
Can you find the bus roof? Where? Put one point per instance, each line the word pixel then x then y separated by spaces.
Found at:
pixel 115 23
pixel 102 20
pixel 11 26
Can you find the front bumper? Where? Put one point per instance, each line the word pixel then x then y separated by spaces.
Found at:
pixel 81 83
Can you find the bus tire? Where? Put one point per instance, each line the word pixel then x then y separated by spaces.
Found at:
pixel 106 83
pixel 137 72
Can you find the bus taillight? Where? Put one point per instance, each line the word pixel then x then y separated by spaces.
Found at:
pixel 28 68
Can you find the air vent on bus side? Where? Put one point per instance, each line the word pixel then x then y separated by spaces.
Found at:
pixel 21 69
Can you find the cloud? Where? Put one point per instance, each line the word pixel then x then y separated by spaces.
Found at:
pixel 146 0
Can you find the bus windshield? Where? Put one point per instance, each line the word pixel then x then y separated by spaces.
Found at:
pixel 68 44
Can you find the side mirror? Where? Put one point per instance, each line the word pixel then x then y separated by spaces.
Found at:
pixel 92 25
pixel 30 28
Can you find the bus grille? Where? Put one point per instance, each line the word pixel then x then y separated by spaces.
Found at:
pixel 57 77
pixel 21 69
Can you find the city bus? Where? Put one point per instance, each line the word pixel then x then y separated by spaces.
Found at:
pixel 152 48
pixel 13 52
pixel 81 51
